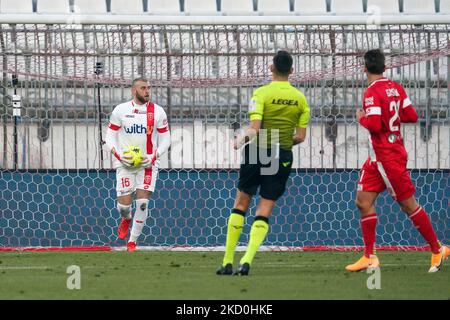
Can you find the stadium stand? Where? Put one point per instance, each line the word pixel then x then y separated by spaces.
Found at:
pixel 164 7
pixel 52 6
pixel 237 7
pixel 228 7
pixel 90 7
pixel 270 7
pixel 445 7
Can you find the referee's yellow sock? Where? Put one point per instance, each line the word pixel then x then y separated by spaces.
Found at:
pixel 234 230
pixel 258 233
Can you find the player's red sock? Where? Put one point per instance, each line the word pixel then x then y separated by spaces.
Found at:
pixel 422 222
pixel 368 226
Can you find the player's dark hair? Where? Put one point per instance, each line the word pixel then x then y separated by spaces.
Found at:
pixel 374 61
pixel 282 62
pixel 143 79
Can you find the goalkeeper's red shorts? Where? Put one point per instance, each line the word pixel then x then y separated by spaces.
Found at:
pixel 392 175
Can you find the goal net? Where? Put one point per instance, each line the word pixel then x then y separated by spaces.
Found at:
pixel 57 188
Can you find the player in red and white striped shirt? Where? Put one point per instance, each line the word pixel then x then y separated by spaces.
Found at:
pixel 385 107
pixel 140 123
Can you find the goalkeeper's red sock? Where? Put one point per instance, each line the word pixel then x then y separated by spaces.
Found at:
pixel 368 226
pixel 422 222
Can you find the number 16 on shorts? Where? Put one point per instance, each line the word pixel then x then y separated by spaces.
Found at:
pixel 125 182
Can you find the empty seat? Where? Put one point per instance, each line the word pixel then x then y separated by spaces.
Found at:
pixel 347 6
pixel 200 7
pixel 16 6
pixel 445 7
pixel 127 6
pixel 89 6
pixel 383 6
pixel 52 6
pixel 310 7
pixel 420 6
pixel 278 7
pixel 237 7
pixel 164 6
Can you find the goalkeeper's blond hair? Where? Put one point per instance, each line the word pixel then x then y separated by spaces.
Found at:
pixel 140 79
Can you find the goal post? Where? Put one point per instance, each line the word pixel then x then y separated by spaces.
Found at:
pixel 203 70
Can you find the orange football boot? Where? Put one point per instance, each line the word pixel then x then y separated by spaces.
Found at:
pixel 437 259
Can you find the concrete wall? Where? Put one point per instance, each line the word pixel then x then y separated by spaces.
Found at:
pixel 75 146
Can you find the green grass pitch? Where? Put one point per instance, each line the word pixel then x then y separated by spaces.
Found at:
pixel 191 275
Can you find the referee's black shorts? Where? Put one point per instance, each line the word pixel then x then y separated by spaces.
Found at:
pixel 269 172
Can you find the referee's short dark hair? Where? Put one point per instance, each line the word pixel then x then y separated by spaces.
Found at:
pixel 374 61
pixel 282 62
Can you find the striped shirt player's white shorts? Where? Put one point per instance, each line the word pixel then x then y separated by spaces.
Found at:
pixel 130 179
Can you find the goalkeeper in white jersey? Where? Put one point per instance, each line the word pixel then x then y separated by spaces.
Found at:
pixel 143 124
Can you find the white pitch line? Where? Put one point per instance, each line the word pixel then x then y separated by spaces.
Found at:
pixel 260 265
pixel 337 264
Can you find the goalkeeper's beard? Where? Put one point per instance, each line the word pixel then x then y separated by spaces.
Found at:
pixel 141 99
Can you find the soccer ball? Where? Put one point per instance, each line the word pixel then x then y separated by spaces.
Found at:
pixel 136 154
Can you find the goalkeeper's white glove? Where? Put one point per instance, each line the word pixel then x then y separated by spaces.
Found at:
pixel 150 160
pixel 127 161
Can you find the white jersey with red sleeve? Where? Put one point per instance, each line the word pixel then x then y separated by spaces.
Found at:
pixel 386 105
pixel 138 125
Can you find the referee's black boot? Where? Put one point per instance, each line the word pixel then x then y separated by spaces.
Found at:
pixel 243 269
pixel 225 270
